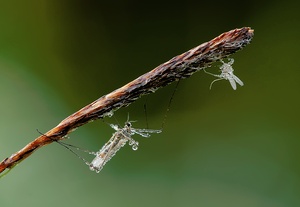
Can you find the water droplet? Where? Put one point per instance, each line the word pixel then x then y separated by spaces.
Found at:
pixel 131 142
pixel 135 147
pixel 109 114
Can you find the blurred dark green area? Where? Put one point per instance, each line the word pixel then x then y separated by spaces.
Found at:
pixel 219 147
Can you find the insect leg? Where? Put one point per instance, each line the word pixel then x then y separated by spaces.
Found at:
pixel 212 74
pixel 213 82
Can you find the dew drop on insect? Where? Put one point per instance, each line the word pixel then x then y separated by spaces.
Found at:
pixel 131 142
pixel 109 114
pixel 66 137
pixel 135 147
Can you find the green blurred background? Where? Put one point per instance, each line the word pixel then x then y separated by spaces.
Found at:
pixel 219 147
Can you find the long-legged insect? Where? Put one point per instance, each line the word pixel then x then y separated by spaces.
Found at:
pixel 116 142
pixel 121 136
pixel 227 74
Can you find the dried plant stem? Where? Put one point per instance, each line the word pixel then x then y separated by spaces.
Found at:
pixel 179 67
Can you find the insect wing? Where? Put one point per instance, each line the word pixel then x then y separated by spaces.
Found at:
pixel 149 130
pixel 145 132
pixel 237 80
pixel 107 152
pixel 101 158
pixel 97 163
pixel 232 83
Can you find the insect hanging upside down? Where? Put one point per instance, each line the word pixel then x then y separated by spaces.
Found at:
pixel 227 74
pixel 116 142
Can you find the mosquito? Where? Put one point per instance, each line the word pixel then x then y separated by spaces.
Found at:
pixel 122 135
pixel 227 74
pixel 117 141
pixel 114 144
